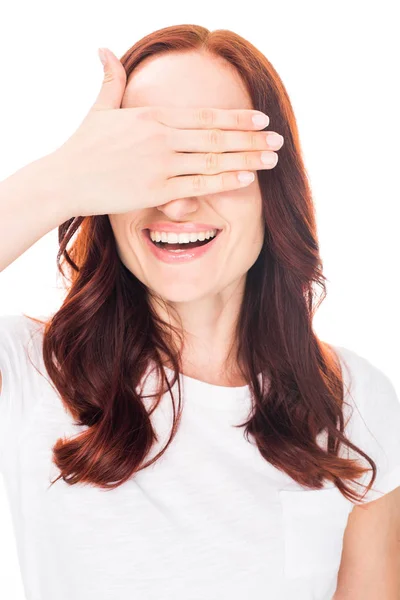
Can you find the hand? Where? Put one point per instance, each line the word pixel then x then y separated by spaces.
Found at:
pixel 123 159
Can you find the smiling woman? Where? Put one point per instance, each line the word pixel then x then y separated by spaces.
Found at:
pixel 246 489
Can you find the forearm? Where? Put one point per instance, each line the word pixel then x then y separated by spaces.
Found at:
pixel 30 207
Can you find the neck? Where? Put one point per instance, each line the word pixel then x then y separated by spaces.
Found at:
pixel 208 328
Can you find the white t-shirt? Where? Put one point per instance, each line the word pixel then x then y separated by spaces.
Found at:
pixel 210 520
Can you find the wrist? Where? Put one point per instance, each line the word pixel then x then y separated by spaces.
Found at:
pixel 44 179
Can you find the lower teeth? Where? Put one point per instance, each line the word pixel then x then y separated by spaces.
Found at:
pixel 164 245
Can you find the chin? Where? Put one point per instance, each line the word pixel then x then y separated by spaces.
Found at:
pixel 179 292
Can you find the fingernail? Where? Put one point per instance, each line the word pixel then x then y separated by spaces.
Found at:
pixel 269 159
pixel 260 120
pixel 245 177
pixel 274 140
pixel 102 55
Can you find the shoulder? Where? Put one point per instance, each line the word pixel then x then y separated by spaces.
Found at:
pixel 14 327
pixel 363 377
pixel 18 323
pixel 20 335
pixel 369 389
pixel 373 406
pixel 21 357
pixel 21 369
pixel 357 363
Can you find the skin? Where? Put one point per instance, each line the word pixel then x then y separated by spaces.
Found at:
pixel 370 565
pixel 205 293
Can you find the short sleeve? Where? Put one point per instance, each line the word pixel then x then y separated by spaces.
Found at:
pixel 373 421
pixel 16 400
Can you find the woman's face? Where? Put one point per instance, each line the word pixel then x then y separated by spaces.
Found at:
pixel 192 80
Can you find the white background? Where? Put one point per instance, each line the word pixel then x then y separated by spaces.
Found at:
pixel 339 66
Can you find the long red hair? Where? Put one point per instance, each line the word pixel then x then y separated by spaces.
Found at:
pixel 99 344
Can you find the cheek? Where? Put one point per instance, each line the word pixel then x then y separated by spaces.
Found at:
pixel 126 228
pixel 243 205
pixel 255 240
pixel 124 231
pixel 246 243
pixel 119 237
pixel 242 213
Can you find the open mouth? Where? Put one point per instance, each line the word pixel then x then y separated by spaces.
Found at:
pixel 181 245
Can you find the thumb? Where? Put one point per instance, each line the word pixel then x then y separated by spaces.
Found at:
pixel 114 82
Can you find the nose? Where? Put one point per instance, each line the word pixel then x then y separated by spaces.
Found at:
pixel 177 209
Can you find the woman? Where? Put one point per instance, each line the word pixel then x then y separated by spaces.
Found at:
pixel 181 375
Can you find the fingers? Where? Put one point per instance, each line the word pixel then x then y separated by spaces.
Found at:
pixel 212 163
pixel 113 85
pixel 217 140
pixel 206 118
pixel 201 185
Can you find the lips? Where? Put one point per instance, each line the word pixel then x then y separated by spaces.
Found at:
pixel 181 255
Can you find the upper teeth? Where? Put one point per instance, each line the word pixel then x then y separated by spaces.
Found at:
pixel 181 238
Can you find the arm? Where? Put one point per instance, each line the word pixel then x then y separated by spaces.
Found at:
pixel 370 566
pixel 30 207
